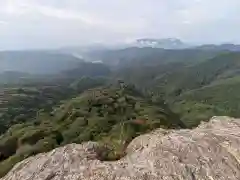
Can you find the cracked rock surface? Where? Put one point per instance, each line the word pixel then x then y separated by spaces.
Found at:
pixel 208 152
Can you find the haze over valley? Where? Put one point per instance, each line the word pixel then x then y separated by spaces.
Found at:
pixel 119 84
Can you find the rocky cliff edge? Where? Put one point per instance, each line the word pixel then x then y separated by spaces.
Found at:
pixel 209 152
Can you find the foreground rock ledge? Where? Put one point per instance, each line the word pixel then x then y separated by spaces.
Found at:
pixel 209 152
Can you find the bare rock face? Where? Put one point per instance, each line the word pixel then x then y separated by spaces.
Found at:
pixel 209 152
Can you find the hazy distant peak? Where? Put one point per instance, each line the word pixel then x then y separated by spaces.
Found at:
pixel 167 43
pixel 160 40
pixel 221 47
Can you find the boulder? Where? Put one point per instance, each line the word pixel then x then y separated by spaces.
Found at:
pixel 208 152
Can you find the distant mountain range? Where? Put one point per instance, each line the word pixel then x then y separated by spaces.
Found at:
pixel 55 61
pixel 221 47
pixel 86 52
pixel 37 62
pixel 174 43
pixel 169 43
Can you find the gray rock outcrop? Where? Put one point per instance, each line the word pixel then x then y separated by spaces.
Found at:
pixel 209 152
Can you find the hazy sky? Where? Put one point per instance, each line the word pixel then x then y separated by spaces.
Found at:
pixel 54 23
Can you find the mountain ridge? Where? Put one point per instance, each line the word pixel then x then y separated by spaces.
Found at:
pixel 167 43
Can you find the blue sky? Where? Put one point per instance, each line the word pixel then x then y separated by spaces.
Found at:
pixel 54 23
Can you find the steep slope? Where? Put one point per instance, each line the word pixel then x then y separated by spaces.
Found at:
pixel 202 74
pixel 172 79
pixel 219 98
pixel 195 91
pixel 210 151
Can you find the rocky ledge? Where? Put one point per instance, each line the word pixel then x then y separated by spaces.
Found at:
pixel 209 152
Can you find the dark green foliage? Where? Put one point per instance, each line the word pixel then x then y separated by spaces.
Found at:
pixel 196 92
pixel 9 163
pixel 22 104
pixel 8 147
pixel 37 116
pixel 202 74
pixel 112 116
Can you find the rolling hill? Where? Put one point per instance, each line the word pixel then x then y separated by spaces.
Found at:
pixel 151 56
pixel 36 62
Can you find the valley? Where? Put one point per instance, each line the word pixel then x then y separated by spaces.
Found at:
pixel 127 93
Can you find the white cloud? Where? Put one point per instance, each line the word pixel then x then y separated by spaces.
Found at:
pixel 55 22
pixel 3 22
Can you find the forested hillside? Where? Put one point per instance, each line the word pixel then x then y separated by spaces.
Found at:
pixel 151 56
pixel 112 116
pixel 133 91
pixel 196 91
